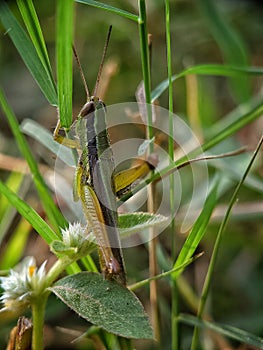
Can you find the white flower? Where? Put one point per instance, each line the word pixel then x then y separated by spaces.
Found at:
pixel 75 235
pixel 23 283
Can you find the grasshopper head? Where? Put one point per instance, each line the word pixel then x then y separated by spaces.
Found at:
pixel 91 105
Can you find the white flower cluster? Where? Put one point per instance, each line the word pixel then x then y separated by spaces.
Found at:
pixel 76 235
pixel 22 283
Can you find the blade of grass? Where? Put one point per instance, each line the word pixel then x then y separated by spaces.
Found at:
pixel 222 227
pixel 233 127
pixel 165 274
pixel 43 136
pixel 142 21
pixel 220 136
pixel 230 43
pixel 54 215
pixel 145 60
pixel 32 24
pixel 35 220
pixel 226 330
pixel 29 214
pixel 8 212
pixel 198 230
pixel 174 289
pixel 109 8
pixel 207 69
pixel 28 53
pixel 16 244
pixel 64 38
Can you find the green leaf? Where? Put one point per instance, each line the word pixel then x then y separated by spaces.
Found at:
pixel 8 212
pixel 16 243
pixel 231 45
pixel 65 12
pixel 43 136
pixel 135 222
pixel 197 231
pixel 207 69
pixel 109 8
pixel 29 214
pixel 32 24
pixel 52 211
pixel 28 53
pixel 104 303
pixel 228 331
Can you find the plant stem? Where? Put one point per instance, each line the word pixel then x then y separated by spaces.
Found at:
pixel 145 66
pixel 38 312
pixel 59 266
pixel 149 134
pixel 174 322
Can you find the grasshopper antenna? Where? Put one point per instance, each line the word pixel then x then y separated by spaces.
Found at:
pixel 102 61
pixel 81 72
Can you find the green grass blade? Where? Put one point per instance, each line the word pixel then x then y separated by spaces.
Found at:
pixel 174 291
pixel 241 120
pixel 222 227
pixel 32 24
pixel 43 136
pixel 163 274
pixel 29 214
pixel 16 243
pixel 54 215
pixel 207 69
pixel 226 330
pixel 145 59
pixel 230 43
pixel 197 231
pixel 64 60
pixel 28 53
pixel 233 116
pixel 8 212
pixel 233 127
pixel 109 8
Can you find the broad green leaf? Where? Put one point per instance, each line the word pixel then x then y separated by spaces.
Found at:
pixel 104 303
pixel 65 12
pixel 198 230
pixel 28 53
pixel 226 330
pixel 138 221
pixel 52 211
pixel 32 24
pixel 29 214
pixel 109 8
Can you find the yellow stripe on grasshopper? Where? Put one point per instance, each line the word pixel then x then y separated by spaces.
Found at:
pixel 124 179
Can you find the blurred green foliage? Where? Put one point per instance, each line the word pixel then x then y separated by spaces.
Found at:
pixel 236 295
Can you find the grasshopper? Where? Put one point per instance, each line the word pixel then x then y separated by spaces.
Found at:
pixel 96 185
